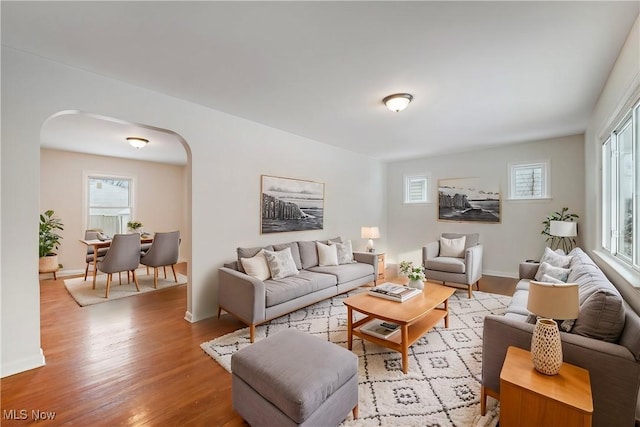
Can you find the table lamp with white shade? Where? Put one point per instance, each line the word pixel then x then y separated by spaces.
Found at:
pixel 370 233
pixel 550 301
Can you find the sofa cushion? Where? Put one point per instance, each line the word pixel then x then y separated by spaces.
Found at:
pixel 308 254
pixel 327 254
pixel 452 247
pixel 281 263
pixel 305 282
pixel 471 239
pixel 295 252
pixel 556 272
pixel 345 251
pixel 601 316
pixel 248 253
pixel 346 272
pixel 257 266
pixel 556 259
pixel 452 265
pixel 550 279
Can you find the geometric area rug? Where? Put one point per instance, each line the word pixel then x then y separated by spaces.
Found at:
pixel 442 386
pixel 84 295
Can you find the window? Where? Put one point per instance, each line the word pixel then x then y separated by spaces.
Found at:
pixel 416 189
pixel 109 203
pixel 529 181
pixel 620 183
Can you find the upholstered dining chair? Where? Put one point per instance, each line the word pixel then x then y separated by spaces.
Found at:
pixel 123 255
pixel 92 235
pixel 451 260
pixel 163 252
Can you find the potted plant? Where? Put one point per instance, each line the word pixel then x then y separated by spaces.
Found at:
pixel 134 226
pixel 415 274
pixel 558 233
pixel 49 241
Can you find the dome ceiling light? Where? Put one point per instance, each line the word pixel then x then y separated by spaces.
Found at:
pixel 137 142
pixel 398 101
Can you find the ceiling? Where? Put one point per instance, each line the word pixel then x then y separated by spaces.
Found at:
pixel 481 73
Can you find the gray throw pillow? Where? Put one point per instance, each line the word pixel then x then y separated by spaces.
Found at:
pixel 549 279
pixel 555 259
pixel 281 263
pixel 345 251
pixel 601 316
pixel 556 272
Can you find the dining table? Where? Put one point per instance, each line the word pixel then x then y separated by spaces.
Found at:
pixel 98 244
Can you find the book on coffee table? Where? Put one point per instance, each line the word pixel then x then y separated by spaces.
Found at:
pixel 394 292
pixel 380 328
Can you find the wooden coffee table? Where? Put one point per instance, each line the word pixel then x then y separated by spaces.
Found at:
pixel 415 317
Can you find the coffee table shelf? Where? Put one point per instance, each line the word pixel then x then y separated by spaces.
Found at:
pixel 415 317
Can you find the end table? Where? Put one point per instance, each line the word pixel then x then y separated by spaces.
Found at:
pixel 529 398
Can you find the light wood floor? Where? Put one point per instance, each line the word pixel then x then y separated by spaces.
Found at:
pixel 132 361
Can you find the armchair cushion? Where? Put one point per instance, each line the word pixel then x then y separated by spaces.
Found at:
pixel 471 239
pixel 448 264
pixel 452 247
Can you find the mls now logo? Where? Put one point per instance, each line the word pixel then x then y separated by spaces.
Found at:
pixel 15 414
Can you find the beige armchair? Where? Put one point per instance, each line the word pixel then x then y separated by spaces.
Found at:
pixel 465 268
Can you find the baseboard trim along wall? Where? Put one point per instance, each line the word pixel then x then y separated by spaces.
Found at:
pixel 36 361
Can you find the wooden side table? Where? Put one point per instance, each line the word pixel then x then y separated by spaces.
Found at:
pixel 529 398
pixel 381 259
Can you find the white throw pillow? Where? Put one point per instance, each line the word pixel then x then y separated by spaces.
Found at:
pixel 452 247
pixel 345 251
pixel 555 259
pixel 556 272
pixel 256 266
pixel 281 263
pixel 550 279
pixel 327 254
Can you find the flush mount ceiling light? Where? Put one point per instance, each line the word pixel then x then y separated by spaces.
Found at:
pixel 137 142
pixel 398 101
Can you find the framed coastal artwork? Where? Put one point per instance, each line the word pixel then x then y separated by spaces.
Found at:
pixel 469 200
pixel 288 204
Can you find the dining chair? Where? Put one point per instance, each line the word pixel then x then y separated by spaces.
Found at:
pixel 92 235
pixel 123 255
pixel 163 252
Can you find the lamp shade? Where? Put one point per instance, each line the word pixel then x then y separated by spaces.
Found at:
pixel 563 228
pixel 370 232
pixel 398 101
pixel 553 301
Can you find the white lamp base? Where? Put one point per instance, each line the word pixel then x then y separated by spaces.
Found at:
pixel 370 247
pixel 546 348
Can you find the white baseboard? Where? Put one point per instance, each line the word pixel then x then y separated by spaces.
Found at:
pixel 65 273
pixel 27 364
pixel 188 316
pixel 500 274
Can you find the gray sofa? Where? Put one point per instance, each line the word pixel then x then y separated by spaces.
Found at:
pixel 605 340
pixel 255 301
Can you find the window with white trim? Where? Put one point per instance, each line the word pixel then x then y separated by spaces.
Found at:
pixel 529 181
pixel 416 189
pixel 110 203
pixel 620 186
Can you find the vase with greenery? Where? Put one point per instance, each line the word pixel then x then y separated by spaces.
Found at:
pixel 415 274
pixel 134 226
pixel 567 243
pixel 49 241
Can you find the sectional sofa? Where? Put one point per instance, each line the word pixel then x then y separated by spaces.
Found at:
pixel 254 300
pixel 605 340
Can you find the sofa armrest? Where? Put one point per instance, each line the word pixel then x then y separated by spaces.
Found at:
pixel 528 270
pixel 430 250
pixel 367 258
pixel 613 371
pixel 242 295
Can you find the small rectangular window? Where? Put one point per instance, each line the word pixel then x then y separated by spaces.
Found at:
pixel 529 181
pixel 416 189
pixel 109 203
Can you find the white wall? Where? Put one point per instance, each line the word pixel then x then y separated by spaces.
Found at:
pixel 228 155
pixel 158 197
pixel 619 94
pixel 517 237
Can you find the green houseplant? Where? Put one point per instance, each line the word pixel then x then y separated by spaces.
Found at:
pixel 415 274
pixel 49 241
pixel 566 242
pixel 134 226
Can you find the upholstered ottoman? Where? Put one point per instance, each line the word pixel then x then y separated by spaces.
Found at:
pixel 293 378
